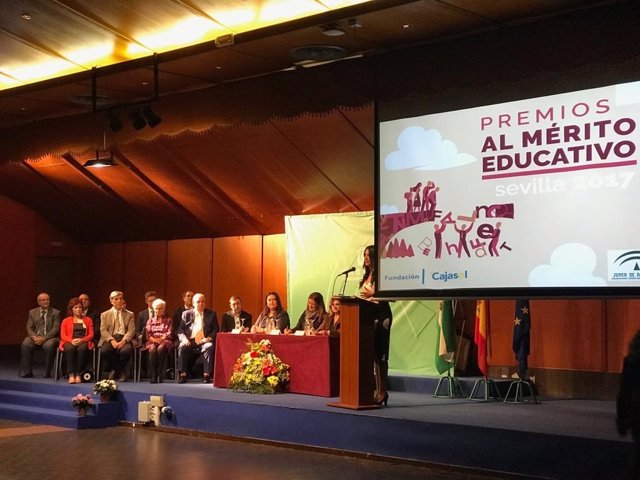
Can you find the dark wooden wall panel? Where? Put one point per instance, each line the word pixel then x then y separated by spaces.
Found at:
pixel 145 265
pixel 17 270
pixel 106 273
pixel 237 270
pixel 623 321
pixel 188 268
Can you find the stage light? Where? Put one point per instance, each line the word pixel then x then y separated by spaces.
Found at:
pixel 114 122
pixel 152 118
pixel 332 30
pixel 103 159
pixel 136 120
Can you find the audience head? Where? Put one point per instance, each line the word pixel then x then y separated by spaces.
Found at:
pixel 43 300
pixel 187 299
pixel 199 302
pixel 235 304
pixel 117 299
pixel 149 297
pixel 315 302
pixel 159 307
pixel 71 310
pixel 84 300
pixel 272 302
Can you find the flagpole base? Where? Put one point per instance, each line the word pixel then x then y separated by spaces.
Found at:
pixel 484 390
pixel 453 388
pixel 520 391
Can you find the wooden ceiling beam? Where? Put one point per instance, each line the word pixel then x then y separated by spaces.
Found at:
pixel 162 194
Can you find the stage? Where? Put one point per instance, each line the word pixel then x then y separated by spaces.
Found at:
pixel 556 438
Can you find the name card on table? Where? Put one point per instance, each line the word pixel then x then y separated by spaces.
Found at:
pixel 236 330
pixel 299 333
pixel 275 331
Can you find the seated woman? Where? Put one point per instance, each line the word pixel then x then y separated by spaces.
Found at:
pixel 158 339
pixel 331 325
pixel 273 316
pixel 76 339
pixel 314 316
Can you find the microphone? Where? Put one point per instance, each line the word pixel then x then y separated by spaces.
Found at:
pixel 348 271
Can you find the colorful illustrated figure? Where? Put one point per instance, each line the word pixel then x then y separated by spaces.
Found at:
pixel 425 194
pixel 462 242
pixel 416 197
pixel 495 238
pixel 438 228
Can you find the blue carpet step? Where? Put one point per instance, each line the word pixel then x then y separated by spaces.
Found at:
pixel 51 405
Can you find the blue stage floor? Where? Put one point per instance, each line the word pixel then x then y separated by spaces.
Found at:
pixel 557 438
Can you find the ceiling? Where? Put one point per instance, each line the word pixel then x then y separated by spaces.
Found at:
pixel 239 146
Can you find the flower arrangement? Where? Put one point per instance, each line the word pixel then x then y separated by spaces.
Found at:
pixel 105 386
pixel 259 370
pixel 82 402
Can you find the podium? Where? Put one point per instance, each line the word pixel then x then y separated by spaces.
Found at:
pixel 357 383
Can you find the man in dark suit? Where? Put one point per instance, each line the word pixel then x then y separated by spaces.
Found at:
pixel 236 318
pixel 197 336
pixel 43 332
pixel 187 304
pixel 92 313
pixel 145 315
pixel 117 329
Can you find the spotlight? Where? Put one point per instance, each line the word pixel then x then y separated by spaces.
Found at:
pixel 332 30
pixel 103 159
pixel 136 120
pixel 152 118
pixel 115 124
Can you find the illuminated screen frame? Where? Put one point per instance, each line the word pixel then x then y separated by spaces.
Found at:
pixel 491 137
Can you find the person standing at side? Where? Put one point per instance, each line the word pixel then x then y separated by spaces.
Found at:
pixel 628 401
pixel 382 326
pixel 236 318
pixel 43 329
pixel 117 329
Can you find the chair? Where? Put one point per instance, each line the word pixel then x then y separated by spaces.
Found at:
pixel 60 357
pixel 139 364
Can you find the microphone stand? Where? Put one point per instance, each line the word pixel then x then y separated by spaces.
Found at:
pixel 344 284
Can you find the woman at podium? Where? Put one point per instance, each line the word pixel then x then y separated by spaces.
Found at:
pixel 382 326
pixel 272 316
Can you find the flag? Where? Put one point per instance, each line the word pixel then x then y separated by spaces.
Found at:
pixel 481 331
pixel 446 345
pixel 521 335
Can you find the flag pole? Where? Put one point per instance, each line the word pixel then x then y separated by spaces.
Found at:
pixel 454 387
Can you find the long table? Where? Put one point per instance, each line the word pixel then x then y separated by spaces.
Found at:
pixel 314 361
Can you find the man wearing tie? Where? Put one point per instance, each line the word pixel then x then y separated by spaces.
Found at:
pixel 117 329
pixel 197 335
pixel 43 330
pixel 236 318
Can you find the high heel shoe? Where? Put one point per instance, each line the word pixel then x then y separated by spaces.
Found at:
pixel 383 400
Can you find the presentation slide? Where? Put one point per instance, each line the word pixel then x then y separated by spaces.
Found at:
pixel 537 196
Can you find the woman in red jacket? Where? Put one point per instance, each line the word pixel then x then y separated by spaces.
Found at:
pixel 76 340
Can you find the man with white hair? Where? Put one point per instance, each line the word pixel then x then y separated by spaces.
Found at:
pixel 117 329
pixel 197 336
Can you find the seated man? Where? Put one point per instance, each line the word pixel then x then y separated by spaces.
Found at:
pixel 197 335
pixel 236 318
pixel 43 330
pixel 117 329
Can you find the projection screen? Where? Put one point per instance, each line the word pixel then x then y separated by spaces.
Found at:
pixel 536 197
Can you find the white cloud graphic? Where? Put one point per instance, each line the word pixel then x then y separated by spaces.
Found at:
pixel 422 149
pixel 571 265
pixel 385 209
